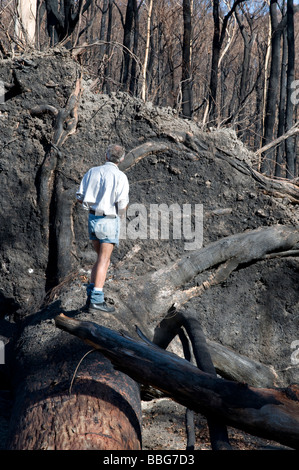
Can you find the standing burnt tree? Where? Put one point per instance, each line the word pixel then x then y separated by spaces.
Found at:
pixel 277 26
pixel 187 101
pixel 290 142
pixel 218 39
pixel 63 17
pixel 130 38
pixel 280 89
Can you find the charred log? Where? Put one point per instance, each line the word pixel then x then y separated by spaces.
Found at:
pixel 268 413
pixel 69 405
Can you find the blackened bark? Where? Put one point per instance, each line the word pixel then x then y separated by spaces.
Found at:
pixel 290 143
pixel 187 60
pixel 106 85
pixel 55 23
pixel 62 21
pixel 133 78
pixel 267 166
pixel 127 42
pixel 282 103
pixel 164 333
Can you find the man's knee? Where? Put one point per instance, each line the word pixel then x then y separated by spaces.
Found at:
pixel 105 252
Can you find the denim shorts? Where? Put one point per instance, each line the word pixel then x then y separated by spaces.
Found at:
pixel 102 228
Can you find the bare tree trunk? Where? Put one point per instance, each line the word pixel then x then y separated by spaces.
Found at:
pixel 187 101
pixel 107 64
pixel 127 42
pixel 215 61
pixel 218 38
pixel 147 47
pixel 154 44
pixel 134 75
pixel 248 42
pixel 103 28
pixel 277 26
pixel 281 112
pixel 290 143
pixel 25 28
pixel 259 105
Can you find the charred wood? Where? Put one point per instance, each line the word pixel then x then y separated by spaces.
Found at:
pixel 188 320
pixel 268 413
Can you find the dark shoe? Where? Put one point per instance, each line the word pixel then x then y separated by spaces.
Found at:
pixel 103 307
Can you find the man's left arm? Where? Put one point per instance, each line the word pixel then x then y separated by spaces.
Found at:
pixel 123 198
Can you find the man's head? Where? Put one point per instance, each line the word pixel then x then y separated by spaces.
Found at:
pixel 115 153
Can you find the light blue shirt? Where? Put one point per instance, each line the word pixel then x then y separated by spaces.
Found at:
pixel 104 189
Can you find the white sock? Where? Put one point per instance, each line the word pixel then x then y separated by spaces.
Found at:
pixel 98 289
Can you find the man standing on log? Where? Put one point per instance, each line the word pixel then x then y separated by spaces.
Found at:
pixel 104 192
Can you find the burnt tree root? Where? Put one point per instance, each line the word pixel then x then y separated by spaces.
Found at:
pixel 54 198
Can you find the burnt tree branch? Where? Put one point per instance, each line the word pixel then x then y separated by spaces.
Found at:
pixel 167 329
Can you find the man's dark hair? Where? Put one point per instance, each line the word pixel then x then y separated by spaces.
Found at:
pixel 115 153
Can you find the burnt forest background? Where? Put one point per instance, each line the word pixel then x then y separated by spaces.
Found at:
pixel 220 63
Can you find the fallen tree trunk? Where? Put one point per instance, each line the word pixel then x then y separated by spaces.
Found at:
pixel 237 367
pixel 268 413
pixel 63 402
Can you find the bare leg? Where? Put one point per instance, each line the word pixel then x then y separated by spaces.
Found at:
pixel 100 268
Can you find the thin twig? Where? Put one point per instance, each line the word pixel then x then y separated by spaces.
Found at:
pixel 78 365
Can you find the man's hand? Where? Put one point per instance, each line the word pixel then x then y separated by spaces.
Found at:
pixel 122 212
